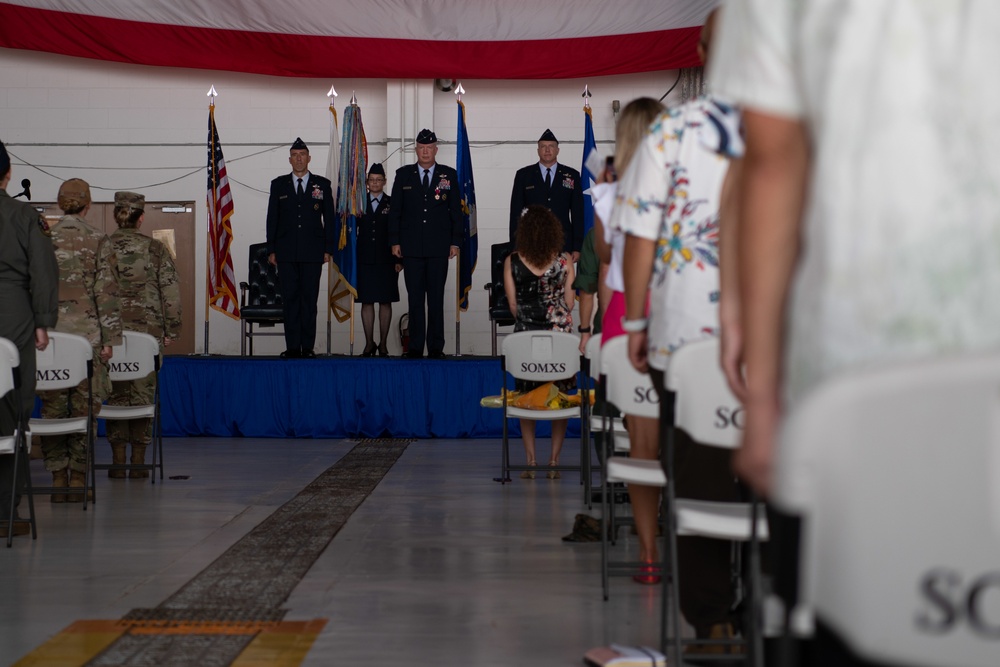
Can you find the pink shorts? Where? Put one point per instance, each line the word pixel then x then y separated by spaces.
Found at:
pixel 611 325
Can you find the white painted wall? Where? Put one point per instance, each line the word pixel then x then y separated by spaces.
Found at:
pixel 131 127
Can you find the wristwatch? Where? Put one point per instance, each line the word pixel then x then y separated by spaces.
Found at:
pixel 634 326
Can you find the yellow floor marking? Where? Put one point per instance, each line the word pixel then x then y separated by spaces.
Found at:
pixel 76 645
pixel 277 644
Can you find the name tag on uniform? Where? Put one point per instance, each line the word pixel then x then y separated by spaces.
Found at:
pixel 529 187
pixel 407 187
pixel 282 197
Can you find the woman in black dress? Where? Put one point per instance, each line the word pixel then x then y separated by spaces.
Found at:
pixel 538 281
pixel 378 270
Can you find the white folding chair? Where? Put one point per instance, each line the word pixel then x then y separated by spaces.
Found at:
pixel 137 357
pixel 591 423
pixel 67 361
pixel 896 474
pixel 15 443
pixel 632 393
pixel 701 397
pixel 539 356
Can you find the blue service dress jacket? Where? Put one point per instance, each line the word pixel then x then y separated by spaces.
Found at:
pixel 425 222
pixel 301 228
pixel 564 198
pixel 373 234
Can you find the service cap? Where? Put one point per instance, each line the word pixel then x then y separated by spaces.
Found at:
pixel 426 137
pixel 130 200
pixel 74 195
pixel 548 136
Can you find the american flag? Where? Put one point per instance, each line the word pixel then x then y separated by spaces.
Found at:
pixel 221 278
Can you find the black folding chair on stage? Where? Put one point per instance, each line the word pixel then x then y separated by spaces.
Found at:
pixel 499 309
pixel 260 298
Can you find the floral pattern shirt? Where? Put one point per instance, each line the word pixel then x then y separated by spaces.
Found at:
pixel 671 194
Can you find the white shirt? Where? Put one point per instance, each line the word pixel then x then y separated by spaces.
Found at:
pixel 603 196
pixel 900 255
pixel 305 182
pixel 671 194
pixel 543 168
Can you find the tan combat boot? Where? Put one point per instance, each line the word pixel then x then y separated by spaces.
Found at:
pixel 117 458
pixel 78 480
pixel 138 458
pixel 60 480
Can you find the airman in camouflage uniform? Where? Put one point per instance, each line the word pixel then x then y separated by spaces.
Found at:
pixel 29 295
pixel 88 307
pixel 150 297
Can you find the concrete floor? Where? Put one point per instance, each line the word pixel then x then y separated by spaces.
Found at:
pixel 439 565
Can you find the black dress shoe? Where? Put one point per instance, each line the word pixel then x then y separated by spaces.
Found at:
pixel 383 351
pixel 291 354
pixel 308 354
pixel 435 355
pixel 414 354
pixel 369 350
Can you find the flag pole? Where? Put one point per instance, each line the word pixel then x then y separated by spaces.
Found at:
pixel 332 94
pixel 208 228
pixel 459 91
pixel 354 103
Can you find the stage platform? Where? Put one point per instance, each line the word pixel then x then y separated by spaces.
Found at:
pixel 333 397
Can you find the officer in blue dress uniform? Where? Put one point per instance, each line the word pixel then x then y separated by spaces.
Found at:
pixel 425 230
pixel 378 270
pixel 554 186
pixel 300 239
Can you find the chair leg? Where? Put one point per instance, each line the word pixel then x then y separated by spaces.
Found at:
pixel 605 505
pixel 672 592
pixel 754 633
pixel 505 451
pixel 21 468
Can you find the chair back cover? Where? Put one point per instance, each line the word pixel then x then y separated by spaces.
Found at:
pixel 263 299
pixel 704 406
pixel 9 360
pixel 63 362
pixel 542 356
pixel 897 473
pixel 629 390
pixel 135 358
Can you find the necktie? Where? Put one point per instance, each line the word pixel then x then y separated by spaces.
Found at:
pixel 548 177
pixel 427 178
pixel 300 188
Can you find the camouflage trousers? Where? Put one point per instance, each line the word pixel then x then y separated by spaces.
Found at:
pixel 61 451
pixel 134 392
